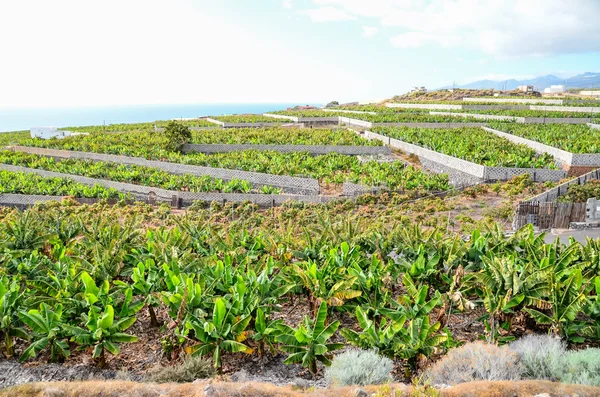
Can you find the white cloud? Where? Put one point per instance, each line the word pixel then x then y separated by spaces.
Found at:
pixel 369 31
pixel 500 28
pixel 328 14
pixel 287 4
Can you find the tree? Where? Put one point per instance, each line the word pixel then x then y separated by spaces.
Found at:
pixel 177 135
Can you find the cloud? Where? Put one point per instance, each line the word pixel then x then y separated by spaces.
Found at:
pixel 507 28
pixel 287 4
pixel 369 31
pixel 328 14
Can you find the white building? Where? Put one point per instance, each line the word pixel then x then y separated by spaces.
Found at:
pixel 51 132
pixel 525 88
pixel 555 89
pixel 418 89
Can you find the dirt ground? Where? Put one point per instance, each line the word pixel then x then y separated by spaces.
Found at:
pixel 224 389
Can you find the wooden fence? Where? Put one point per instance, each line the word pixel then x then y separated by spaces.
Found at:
pixel 549 215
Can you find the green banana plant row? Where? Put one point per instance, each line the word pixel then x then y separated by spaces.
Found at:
pixel 135 174
pixel 330 168
pixel 71 279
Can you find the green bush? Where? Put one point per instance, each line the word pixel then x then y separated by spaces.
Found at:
pixel 541 356
pixel 177 135
pixel 359 367
pixel 190 369
pixel 580 367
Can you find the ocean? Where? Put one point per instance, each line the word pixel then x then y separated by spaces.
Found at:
pixel 17 119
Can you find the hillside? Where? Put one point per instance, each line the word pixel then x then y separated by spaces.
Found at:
pixel 585 80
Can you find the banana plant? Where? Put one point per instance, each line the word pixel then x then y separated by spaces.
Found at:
pixel 146 282
pixel 48 330
pixel 223 333
pixel 383 336
pixel 419 339
pixel 307 344
pixel 565 301
pixel 103 333
pixel 11 300
pixel 265 332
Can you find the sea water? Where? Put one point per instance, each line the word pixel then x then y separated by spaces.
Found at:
pixel 17 119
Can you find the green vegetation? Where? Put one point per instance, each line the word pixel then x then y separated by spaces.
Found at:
pixel 249 118
pixel 130 127
pixel 282 136
pixel 25 183
pixel 389 116
pixel 532 113
pixel 330 168
pixel 135 174
pixel 581 193
pixel 221 282
pixel 472 144
pixel 574 138
pixel 176 136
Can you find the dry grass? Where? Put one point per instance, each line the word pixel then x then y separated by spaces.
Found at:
pixel 224 389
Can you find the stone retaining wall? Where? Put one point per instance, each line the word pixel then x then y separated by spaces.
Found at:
pixel 481 116
pixel 312 149
pixel 184 199
pixel 356 123
pixel 578 109
pixel 568 158
pixel 481 172
pixel 468 167
pixel 215 121
pixel 280 116
pixel 431 125
pixel 560 190
pixel 423 106
pixel 348 111
pixel 289 184
pixel 253 125
pixel 556 120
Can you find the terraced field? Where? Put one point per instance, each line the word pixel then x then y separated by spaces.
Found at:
pixel 331 168
pixel 389 116
pixel 471 144
pixel 569 137
pixel 282 136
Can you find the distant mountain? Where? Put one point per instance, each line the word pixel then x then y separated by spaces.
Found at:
pixel 585 80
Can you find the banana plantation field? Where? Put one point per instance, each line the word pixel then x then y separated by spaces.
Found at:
pixel 249 118
pixel 574 138
pixel 134 286
pixel 22 183
pixel 135 174
pixel 472 144
pixel 534 113
pixel 331 168
pixel 138 126
pixel 388 116
pixel 282 136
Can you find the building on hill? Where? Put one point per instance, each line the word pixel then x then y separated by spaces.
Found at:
pixel 525 88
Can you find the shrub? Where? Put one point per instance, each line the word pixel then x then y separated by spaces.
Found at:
pixel 192 368
pixel 580 367
pixel 540 355
pixel 177 135
pixel 473 362
pixel 359 367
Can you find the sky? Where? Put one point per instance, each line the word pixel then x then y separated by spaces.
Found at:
pixel 118 52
